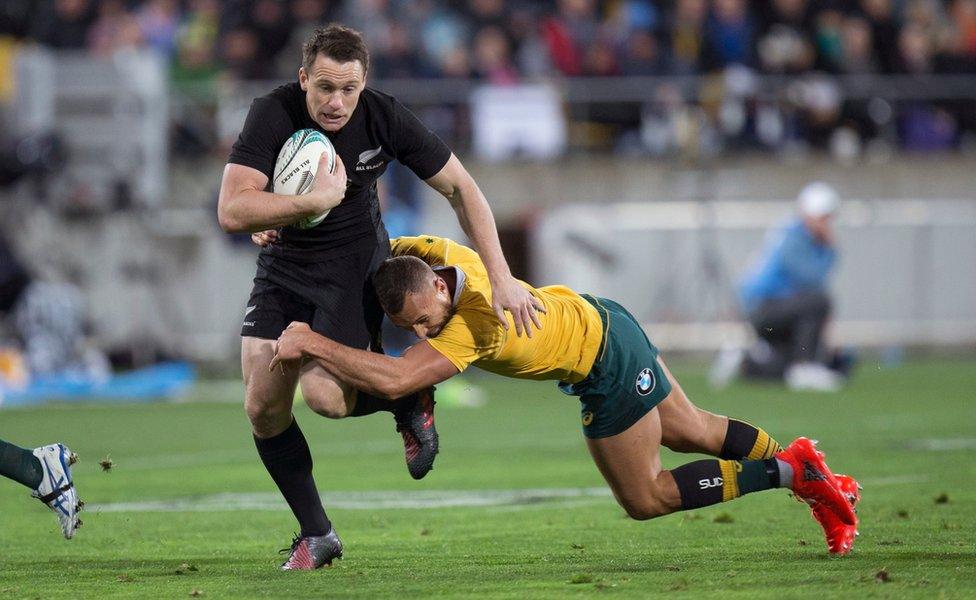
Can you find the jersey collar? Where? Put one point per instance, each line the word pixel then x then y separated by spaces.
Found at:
pixel 459 279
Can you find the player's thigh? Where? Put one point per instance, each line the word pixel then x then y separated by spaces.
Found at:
pixel 684 426
pixel 264 389
pixel 630 461
pixel 323 393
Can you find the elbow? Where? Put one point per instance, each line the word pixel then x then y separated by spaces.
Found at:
pixel 228 223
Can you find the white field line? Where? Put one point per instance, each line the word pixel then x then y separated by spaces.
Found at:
pixel 893 480
pixel 365 500
pixel 514 499
pixel 943 444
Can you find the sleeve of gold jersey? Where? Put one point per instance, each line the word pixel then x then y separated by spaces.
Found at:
pixel 433 250
pixel 469 335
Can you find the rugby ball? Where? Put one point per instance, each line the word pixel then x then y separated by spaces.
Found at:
pixel 297 163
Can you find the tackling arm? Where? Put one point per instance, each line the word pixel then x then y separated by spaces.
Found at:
pixel 383 376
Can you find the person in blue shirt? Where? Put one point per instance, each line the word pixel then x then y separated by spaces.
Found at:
pixel 785 298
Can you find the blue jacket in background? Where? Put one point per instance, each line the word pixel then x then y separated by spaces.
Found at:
pixel 793 261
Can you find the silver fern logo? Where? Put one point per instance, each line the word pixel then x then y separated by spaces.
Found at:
pixel 365 157
pixel 368 155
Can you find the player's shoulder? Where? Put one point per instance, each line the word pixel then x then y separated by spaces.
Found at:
pixel 382 104
pixel 434 250
pixel 378 99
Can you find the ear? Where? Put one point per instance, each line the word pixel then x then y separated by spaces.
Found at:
pixel 439 284
pixel 303 78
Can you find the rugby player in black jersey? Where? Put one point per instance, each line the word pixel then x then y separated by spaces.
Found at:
pixel 322 275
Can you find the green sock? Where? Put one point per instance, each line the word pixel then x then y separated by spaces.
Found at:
pixel 20 465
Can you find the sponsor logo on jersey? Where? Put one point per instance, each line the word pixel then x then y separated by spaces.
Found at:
pixel 645 382
pixel 368 155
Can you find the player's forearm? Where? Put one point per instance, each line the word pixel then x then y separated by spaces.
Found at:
pixel 248 211
pixel 478 224
pixel 370 372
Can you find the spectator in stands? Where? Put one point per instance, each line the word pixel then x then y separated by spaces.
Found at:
pixel 306 16
pixel 729 33
pixel 686 51
pixel 492 57
pixel 399 58
pixel 114 28
pixel 240 54
pixel 857 43
pixel 786 37
pixel 827 37
pixel 271 23
pixel 787 303
pixel 641 55
pixel 158 20
pixel 884 32
pixel 65 26
pixel 569 33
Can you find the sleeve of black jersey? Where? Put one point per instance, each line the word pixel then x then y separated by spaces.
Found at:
pixel 265 130
pixel 417 147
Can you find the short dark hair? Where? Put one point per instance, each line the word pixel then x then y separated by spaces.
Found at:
pixel 338 42
pixel 397 277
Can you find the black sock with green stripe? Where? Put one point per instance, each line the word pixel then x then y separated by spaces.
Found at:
pixel 745 441
pixel 706 482
pixel 21 465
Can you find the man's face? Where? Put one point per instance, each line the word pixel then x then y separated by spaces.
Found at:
pixel 819 227
pixel 332 90
pixel 426 312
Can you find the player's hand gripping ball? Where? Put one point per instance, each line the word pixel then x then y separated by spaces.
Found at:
pixel 298 162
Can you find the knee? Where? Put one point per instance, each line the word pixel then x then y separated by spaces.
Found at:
pixel 267 418
pixel 644 509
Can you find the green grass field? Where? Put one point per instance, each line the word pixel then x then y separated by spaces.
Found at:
pixel 907 433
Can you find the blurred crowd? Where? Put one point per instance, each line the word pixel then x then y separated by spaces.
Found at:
pixel 507 40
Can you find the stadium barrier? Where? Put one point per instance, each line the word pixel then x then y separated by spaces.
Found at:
pixel 905 272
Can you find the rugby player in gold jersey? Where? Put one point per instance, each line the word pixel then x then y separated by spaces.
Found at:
pixel 594 349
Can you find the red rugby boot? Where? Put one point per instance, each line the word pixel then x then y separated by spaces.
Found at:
pixel 812 480
pixel 840 536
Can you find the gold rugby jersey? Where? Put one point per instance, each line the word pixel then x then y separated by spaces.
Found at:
pixel 564 349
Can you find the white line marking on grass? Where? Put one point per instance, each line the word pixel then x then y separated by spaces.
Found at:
pixel 366 500
pixel 943 445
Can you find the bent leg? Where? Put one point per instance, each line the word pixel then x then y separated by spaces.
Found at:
pixel 687 428
pixel 631 464
pixel 325 394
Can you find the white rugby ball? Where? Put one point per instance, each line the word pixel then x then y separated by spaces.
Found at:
pixel 297 163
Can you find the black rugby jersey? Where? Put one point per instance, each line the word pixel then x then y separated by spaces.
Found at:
pixel 379 130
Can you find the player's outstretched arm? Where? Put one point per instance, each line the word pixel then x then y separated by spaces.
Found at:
pixel 244 206
pixel 420 367
pixel 456 184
